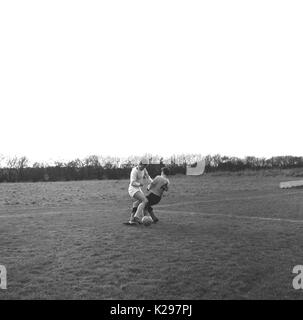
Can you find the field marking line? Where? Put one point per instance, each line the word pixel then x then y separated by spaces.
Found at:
pixel 272 195
pixel 235 216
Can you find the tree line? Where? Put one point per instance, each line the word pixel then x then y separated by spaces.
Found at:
pixel 19 169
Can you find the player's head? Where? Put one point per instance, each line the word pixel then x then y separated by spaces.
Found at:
pixel 143 163
pixel 165 171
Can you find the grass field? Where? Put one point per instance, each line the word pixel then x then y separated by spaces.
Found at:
pixel 219 237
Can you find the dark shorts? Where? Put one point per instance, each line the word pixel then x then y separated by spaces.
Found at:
pixel 152 200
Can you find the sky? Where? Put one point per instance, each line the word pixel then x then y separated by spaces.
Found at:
pixel 164 77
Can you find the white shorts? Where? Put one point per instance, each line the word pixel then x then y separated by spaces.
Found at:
pixel 133 190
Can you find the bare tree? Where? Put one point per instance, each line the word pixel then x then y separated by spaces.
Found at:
pixel 22 163
pixel 92 161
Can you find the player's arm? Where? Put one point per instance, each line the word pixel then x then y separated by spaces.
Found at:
pixel 152 183
pixel 165 184
pixel 147 177
pixel 165 187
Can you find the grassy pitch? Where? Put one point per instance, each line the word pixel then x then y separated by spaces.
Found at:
pixel 219 237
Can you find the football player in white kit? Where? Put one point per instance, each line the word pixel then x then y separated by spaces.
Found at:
pixel 137 176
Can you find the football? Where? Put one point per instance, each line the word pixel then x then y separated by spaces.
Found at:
pixel 147 220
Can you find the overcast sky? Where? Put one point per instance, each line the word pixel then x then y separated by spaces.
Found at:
pixel 163 77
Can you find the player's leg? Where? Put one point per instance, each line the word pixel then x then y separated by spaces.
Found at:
pixel 140 211
pixel 134 209
pixel 136 196
pixel 146 208
pixel 152 214
pixel 139 196
pixel 132 220
pixel 135 205
pixel 152 200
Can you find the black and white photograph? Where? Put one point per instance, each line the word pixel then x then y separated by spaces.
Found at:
pixel 151 151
